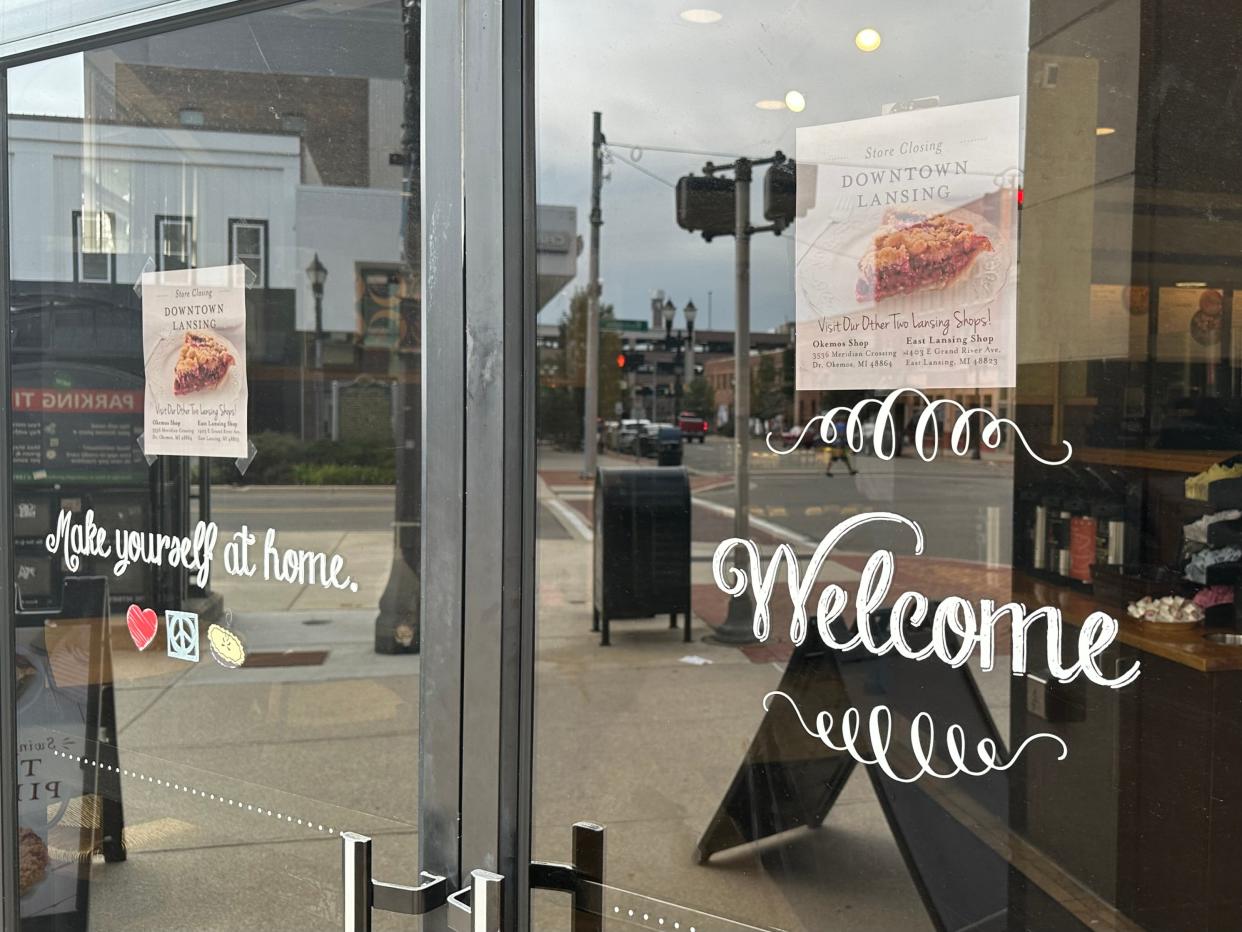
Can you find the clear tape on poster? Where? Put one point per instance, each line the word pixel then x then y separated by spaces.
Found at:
pixel 242 462
pixel 149 457
pixel 149 266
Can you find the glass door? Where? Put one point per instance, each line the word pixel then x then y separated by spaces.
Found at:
pixel 886 558
pixel 215 353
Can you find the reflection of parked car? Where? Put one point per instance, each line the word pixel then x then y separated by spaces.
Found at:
pixel 792 438
pixel 628 433
pixel 647 438
pixel 692 426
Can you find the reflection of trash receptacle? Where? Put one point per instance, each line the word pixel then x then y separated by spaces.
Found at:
pixel 642 546
pixel 668 446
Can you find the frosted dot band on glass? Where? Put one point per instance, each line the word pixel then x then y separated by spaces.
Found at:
pixel 203 794
pixel 627 908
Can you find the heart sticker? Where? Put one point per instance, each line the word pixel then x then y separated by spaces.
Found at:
pixel 143 623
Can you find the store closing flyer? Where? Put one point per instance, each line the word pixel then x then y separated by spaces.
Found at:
pixel 194 344
pixel 907 262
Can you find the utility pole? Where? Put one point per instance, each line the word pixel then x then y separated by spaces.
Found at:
pixel 590 395
pixel 741 353
pixel 738 627
pixel 703 207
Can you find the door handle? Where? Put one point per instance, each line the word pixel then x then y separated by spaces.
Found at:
pixel 583 878
pixel 362 893
pixel 480 906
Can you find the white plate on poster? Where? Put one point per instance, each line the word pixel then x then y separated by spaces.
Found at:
pixel 163 363
pixel 829 271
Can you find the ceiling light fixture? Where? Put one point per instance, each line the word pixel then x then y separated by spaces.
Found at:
pixel 770 104
pixel 795 101
pixel 1192 284
pixel 867 40
pixel 1104 131
pixel 701 17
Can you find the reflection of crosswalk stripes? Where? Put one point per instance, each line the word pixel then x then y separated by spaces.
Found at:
pixel 810 511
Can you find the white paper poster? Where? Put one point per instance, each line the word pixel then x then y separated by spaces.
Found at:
pixel 907 262
pixel 194 344
pixel 54 683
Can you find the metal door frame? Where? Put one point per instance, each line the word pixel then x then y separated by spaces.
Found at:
pixel 498 376
pixel 476 708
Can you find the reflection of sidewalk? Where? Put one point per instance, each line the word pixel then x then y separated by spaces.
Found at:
pixel 646 735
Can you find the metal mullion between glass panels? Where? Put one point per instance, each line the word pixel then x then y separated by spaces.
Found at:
pixel 483 680
pixel 497 721
pixel 444 446
pixel 8 647
pixel 521 235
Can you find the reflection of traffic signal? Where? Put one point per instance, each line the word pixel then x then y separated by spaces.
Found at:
pixel 788 191
pixel 705 205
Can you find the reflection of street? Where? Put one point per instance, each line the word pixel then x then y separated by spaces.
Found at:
pixel 355 522
pixel 235 773
pixel 670 722
pixel 301 507
pixel 963 505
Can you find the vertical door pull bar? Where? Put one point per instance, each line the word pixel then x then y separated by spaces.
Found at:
pixel 362 893
pixel 479 907
pixel 583 879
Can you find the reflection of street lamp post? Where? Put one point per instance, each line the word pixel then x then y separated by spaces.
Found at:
pixel 670 311
pixel 691 312
pixel 317 274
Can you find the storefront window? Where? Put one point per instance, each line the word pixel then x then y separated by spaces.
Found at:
pixel 206 373
pixel 984 301
pixel 824 479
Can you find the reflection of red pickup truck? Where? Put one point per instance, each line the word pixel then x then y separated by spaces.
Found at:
pixel 692 426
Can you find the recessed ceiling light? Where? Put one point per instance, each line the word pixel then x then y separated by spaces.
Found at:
pixel 770 104
pixel 701 17
pixel 1192 284
pixel 867 40
pixel 1104 131
pixel 795 101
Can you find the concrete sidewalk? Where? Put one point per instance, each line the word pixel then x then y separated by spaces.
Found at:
pixel 237 782
pixel 645 737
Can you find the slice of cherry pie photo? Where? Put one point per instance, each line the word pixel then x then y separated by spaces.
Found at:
pixel 910 254
pixel 203 363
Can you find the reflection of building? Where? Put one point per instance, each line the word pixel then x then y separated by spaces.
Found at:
pixel 658 369
pixel 262 214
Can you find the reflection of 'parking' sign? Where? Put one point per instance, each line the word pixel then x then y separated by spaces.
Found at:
pixel 182 635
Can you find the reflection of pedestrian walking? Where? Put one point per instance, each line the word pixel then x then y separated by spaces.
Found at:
pixel 839 449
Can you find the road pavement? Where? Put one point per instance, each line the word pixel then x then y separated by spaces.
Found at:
pixel 303 508
pixel 964 506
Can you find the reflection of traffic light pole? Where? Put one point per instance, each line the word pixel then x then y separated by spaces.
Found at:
pixel 590 393
pixel 702 205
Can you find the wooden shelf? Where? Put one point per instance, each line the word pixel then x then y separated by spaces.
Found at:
pixel 1190 649
pixel 1183 461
